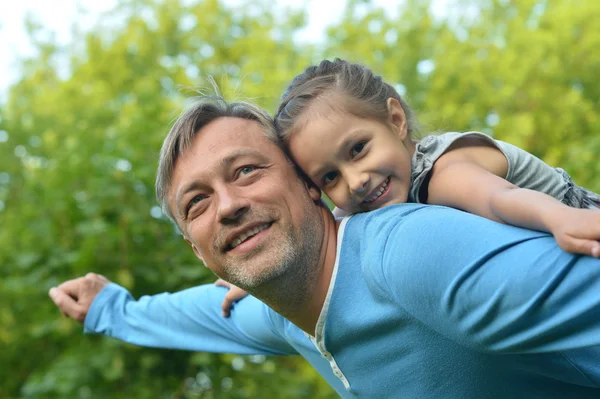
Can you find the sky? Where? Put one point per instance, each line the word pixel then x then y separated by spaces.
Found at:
pixel 58 16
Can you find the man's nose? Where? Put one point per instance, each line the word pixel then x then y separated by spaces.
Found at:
pixel 358 182
pixel 232 204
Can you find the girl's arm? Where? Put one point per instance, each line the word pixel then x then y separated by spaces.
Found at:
pixel 470 176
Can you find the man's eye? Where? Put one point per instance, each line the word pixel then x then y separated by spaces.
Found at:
pixel 357 149
pixel 193 202
pixel 329 177
pixel 244 170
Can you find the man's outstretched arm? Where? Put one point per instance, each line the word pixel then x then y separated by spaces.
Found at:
pixel 189 319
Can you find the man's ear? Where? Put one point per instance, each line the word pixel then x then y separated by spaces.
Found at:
pixel 195 249
pixel 313 191
pixel 397 118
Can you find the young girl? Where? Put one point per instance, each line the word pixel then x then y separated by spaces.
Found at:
pixel 350 132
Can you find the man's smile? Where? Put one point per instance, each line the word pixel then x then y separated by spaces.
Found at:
pixel 247 237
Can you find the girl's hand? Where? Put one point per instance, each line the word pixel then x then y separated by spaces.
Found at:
pixel 577 231
pixel 235 294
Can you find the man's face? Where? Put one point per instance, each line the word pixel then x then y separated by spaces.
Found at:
pixel 241 204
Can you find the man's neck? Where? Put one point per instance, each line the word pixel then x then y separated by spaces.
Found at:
pixel 307 320
pixel 305 308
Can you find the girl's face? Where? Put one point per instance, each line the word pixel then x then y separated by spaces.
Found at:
pixel 361 164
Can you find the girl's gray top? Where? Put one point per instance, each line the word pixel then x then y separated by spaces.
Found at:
pixel 524 170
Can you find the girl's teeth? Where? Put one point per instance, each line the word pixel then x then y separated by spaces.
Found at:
pixel 378 193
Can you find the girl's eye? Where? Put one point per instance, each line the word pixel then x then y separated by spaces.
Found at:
pixel 329 177
pixel 357 149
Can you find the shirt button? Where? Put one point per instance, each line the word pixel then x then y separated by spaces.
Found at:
pixel 327 355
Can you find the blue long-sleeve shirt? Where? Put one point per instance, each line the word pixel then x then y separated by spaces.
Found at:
pixel 425 302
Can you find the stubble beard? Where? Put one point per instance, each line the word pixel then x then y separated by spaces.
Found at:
pixel 285 279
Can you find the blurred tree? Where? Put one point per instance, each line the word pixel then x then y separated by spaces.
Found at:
pixel 396 46
pixel 78 153
pixel 524 72
pixel 77 161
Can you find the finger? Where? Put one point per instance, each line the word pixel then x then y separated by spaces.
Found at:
pixel 96 276
pixel 596 250
pixel 52 294
pixel 236 293
pixel 226 306
pixel 222 283
pixel 67 305
pixel 583 246
pixel 72 287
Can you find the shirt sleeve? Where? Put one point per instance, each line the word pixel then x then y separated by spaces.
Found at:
pixel 189 319
pixel 491 287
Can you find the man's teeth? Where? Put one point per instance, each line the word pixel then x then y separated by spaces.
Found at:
pixel 379 192
pixel 248 234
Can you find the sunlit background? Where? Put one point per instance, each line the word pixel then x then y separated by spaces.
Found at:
pixel 89 89
pixel 59 17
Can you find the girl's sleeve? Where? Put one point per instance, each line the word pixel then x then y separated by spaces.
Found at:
pixel 189 319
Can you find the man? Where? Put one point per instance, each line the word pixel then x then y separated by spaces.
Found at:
pixel 409 301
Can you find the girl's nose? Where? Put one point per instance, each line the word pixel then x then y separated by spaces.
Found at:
pixel 359 183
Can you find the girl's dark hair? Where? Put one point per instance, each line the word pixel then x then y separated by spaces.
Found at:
pixel 359 92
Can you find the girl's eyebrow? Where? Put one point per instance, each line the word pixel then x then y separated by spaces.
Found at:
pixel 349 141
pixel 341 151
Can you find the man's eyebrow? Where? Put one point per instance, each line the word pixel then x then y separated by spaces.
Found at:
pixel 243 152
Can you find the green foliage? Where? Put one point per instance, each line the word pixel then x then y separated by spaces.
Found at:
pixel 78 153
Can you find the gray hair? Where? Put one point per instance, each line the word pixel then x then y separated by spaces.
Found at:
pixel 204 111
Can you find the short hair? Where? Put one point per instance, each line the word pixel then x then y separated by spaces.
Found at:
pixel 203 111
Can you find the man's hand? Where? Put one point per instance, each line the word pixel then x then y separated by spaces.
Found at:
pixel 74 297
